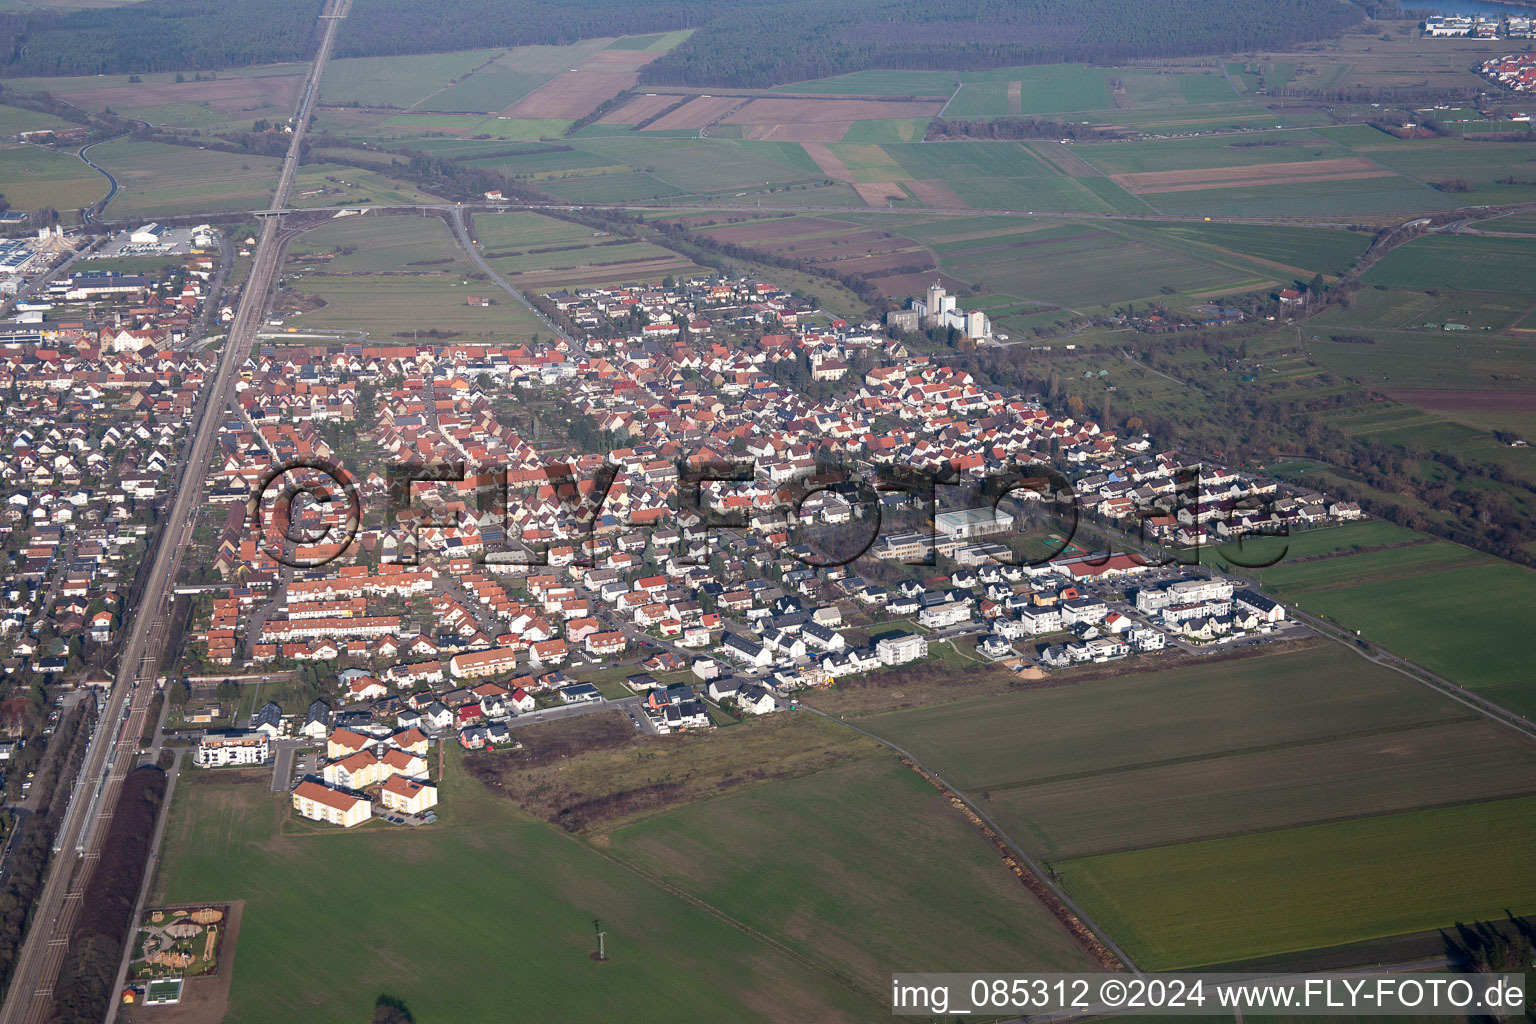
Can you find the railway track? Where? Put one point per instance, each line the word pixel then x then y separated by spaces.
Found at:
pixel 114 747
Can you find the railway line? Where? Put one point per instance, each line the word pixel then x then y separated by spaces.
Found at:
pixel 113 750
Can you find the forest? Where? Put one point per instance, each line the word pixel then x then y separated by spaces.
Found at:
pixel 737 43
pixel 760 45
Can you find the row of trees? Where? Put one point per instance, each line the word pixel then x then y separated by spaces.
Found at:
pixel 84 988
pixel 32 846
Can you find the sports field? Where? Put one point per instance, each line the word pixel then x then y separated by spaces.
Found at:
pixel 484 902
pixel 841 864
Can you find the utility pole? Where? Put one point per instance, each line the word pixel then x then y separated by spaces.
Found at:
pixel 601 955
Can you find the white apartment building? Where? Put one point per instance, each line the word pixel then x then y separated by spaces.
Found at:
pixel 222 749
pixel 898 650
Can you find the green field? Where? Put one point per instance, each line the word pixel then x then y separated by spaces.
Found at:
pixel 394 282
pixel 1083 266
pixel 1304 888
pixel 162 180
pixel 841 864
pixel 707 165
pixel 1138 719
pixel 1518 223
pixel 1311 250
pixel 398 81
pixel 14 120
pixel 459 913
pixel 33 177
pixel 1453 610
pixel 1210 151
pixel 1463 262
pixel 1203 772
pixel 1464 619
pixel 1254 791
pixel 1047 89
pixel 1430 359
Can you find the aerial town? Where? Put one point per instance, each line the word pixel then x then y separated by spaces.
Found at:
pixel 467 620
pixel 764 510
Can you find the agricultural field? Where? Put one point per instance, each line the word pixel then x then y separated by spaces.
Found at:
pixel 33 177
pixel 1455 611
pixel 156 179
pixel 1298 889
pixel 401 81
pixel 229 838
pixel 492 81
pixel 1079 267
pixel 1483 173
pixel 1058 264
pixel 402 274
pixel 222 101
pixel 335 184
pixel 1259 173
pixel 877 83
pixel 708 166
pixel 1402 58
pixel 14 120
pixel 1304 250
pixel 1463 618
pixel 1461 262
pixel 840 865
pixel 1116 780
pixel 537 253
pixel 1516 223
pixel 1430 359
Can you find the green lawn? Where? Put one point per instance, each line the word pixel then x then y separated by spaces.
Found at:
pixel 865 865
pixel 1305 888
pixel 456 915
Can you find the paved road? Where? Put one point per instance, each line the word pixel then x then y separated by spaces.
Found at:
pixel 111 753
pixel 282 764
pixel 473 252
pixel 1469 213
